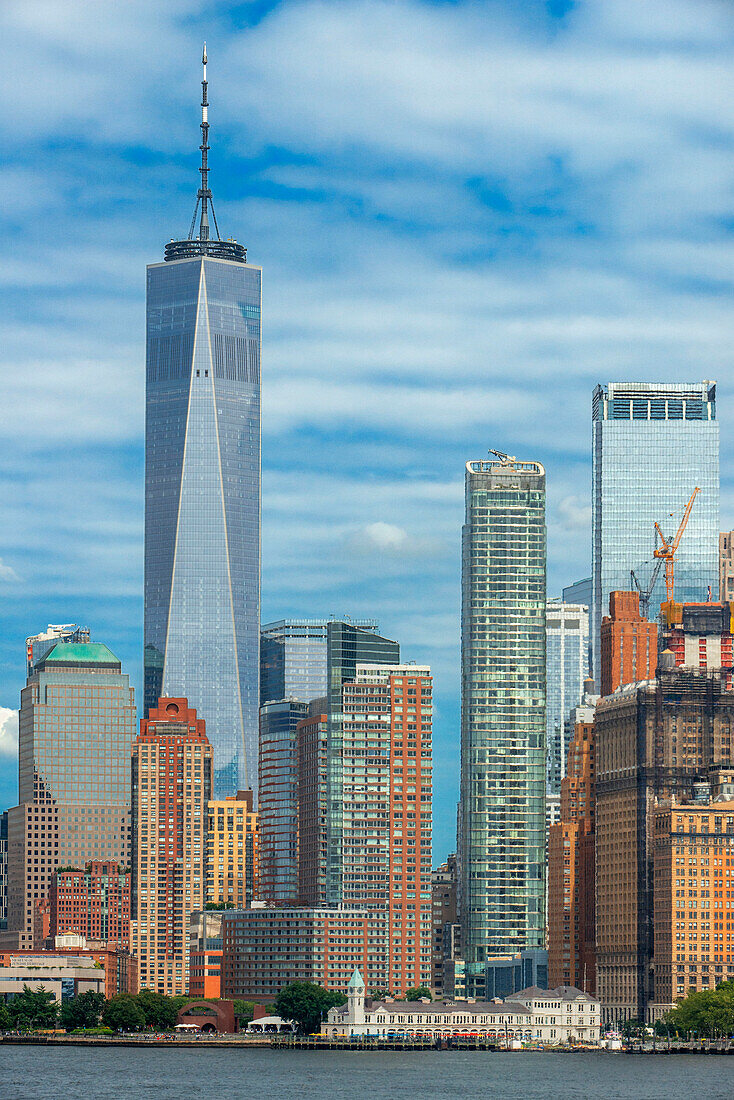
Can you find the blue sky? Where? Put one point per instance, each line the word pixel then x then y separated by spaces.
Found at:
pixel 467 215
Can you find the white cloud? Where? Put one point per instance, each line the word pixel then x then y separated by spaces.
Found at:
pixel 8 732
pixel 575 514
pixel 7 573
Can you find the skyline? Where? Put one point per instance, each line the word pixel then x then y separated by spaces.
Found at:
pixel 554 242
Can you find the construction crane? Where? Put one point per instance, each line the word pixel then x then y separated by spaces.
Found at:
pixel 666 551
pixel 646 593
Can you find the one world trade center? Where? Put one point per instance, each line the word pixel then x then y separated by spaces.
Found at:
pixel 202 485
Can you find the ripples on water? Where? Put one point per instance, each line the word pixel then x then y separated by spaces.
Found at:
pixel 30 1073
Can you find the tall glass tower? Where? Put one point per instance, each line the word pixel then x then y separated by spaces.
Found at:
pixel 502 806
pixel 652 444
pixel 202 487
pixel 567 666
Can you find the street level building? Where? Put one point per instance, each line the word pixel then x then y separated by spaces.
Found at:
pixel 652 444
pixel 76 729
pixel 555 1016
pixel 502 804
pixel 205 954
pixel 117 967
pixel 172 786
pixel 202 487
pixel 566 668
pixel 64 976
pixel 629 643
pixel 232 851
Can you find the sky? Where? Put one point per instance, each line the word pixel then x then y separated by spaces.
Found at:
pixel 467 214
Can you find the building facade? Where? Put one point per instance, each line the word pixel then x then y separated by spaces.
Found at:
pixel 502 806
pixel 93 902
pixel 554 1016
pixel 652 444
pixel 76 729
pixel 629 643
pixel 566 668
pixel 693 869
pixel 571 863
pixel 205 954
pixel 232 851
pixel 445 935
pixel 726 566
pixel 38 645
pixel 171 789
pixel 202 489
pixel 3 870
pixel 278 800
pixel 293 658
pixel 311 743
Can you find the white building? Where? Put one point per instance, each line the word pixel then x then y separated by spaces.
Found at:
pixel 559 1015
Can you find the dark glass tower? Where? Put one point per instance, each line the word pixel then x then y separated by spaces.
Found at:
pixel 202 487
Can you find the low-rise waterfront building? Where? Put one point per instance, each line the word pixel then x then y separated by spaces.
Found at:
pixel 205 954
pixel 64 974
pixel 554 1016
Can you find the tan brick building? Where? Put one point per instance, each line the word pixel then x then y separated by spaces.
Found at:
pixel 232 851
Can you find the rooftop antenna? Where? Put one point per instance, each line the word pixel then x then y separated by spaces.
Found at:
pixel 204 194
pixel 505 460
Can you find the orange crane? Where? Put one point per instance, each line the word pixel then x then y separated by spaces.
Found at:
pixel 666 550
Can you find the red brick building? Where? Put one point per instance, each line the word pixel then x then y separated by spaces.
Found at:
pixel 94 902
pixel 629 643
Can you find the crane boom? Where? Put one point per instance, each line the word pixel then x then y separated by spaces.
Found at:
pixel 646 593
pixel 667 549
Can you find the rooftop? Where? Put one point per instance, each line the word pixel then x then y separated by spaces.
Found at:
pixel 80 653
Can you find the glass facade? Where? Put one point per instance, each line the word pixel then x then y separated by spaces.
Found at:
pixel 347 645
pixel 502 804
pixel 566 668
pixel 278 807
pixel 652 445
pixel 202 502
pixel 293 658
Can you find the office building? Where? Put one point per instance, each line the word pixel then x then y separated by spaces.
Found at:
pixel 505 975
pixel 38 645
pixel 629 643
pixel 566 668
pixel 502 804
pixel 232 851
pixel 652 445
pixel 205 954
pixel 578 593
pixel 278 800
pixel 694 937
pixel 726 566
pixel 93 902
pixel 571 864
pixel 172 787
pixel 445 935
pixel 293 658
pixel 654 740
pixel 62 975
pixel 311 740
pixel 202 488
pixel 76 729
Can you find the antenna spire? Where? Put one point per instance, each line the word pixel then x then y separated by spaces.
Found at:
pixel 204 193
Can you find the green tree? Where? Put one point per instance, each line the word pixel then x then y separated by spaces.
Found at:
pixel 33 1008
pixel 123 1013
pixel 5 1020
pixel 418 993
pixel 160 1011
pixel 306 1004
pixel 245 1010
pixel 631 1029
pixel 707 1012
pixel 82 1011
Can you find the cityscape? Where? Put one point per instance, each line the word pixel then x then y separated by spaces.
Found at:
pixel 502 824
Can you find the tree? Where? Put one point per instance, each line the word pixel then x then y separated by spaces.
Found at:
pixel 631 1029
pixel 33 1008
pixel 306 1004
pixel 160 1011
pixel 82 1011
pixel 707 1012
pixel 418 993
pixel 245 1010
pixel 5 1020
pixel 123 1013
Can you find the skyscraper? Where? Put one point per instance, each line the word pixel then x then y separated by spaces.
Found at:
pixel 294 659
pixel 76 729
pixel 202 487
pixel 278 807
pixel 502 806
pixel 171 789
pixel 652 444
pixel 567 666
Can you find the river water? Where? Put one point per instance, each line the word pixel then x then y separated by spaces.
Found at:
pixel 132 1073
